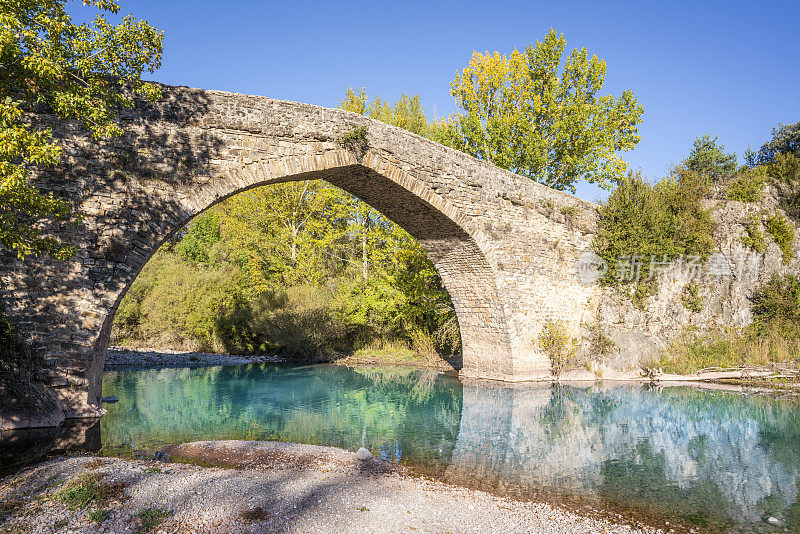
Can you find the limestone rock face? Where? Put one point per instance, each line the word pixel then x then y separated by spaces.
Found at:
pixel 726 283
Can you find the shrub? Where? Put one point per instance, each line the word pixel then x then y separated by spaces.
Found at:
pixel 355 140
pixel 600 344
pixel 642 291
pixel 664 220
pixel 691 298
pixel 747 188
pixel 785 140
pixel 785 168
pixel 776 307
pixel 557 344
pixel 754 237
pixel 782 232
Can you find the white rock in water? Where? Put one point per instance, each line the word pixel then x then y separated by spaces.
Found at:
pixel 363 454
pixel 773 521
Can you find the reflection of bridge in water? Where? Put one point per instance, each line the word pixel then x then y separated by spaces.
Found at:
pixel 708 457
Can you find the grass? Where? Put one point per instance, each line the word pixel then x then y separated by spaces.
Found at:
pixel 82 492
pixel 86 490
pixel 394 352
pixel 153 470
pixel 150 518
pixel 725 349
pixel 98 516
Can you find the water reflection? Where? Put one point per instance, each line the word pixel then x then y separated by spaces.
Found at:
pixel 713 459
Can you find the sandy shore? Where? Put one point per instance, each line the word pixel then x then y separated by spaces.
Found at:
pixel 264 487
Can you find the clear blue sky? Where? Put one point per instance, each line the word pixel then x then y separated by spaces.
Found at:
pixel 731 67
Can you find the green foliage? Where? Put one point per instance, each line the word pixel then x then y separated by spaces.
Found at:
pixel 691 298
pixel 776 307
pixel 600 344
pixel 174 303
pixel 785 168
pixel 198 242
pixel 355 139
pixel 642 291
pixel 82 492
pixel 559 346
pixel 301 269
pixel 150 518
pixel 747 187
pixel 754 238
pixel 782 232
pixel 78 72
pixel 785 140
pixel 407 112
pixel 708 159
pixel 520 113
pixel 98 515
pixel 658 221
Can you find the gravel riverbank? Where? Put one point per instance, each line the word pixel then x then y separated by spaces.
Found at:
pixel 121 357
pixel 264 487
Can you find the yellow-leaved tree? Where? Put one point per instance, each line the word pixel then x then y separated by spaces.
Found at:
pixel 526 113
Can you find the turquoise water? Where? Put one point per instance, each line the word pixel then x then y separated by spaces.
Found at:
pixel 698 458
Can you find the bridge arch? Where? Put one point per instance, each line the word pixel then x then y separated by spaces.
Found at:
pixel 437 225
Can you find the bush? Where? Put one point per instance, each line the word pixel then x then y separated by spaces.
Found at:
pixel 747 188
pixel 754 237
pixel 782 232
pixel 179 305
pixel 302 326
pixel 785 140
pixel 785 168
pixel 664 220
pixel 691 298
pixel 557 344
pixel 776 307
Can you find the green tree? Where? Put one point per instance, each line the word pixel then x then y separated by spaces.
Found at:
pixel 203 234
pixel 641 221
pixel 282 234
pixel 785 139
pixel 77 72
pixel 709 159
pixel 522 114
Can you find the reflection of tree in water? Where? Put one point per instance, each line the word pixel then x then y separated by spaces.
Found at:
pixel 640 481
pixel 560 413
pixel 408 412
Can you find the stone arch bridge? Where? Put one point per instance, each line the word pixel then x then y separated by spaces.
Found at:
pixel 505 247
